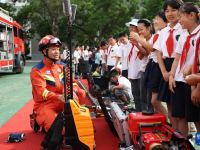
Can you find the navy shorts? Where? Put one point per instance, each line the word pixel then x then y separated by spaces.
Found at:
pixel 182 106
pixel 152 76
pixel 125 73
pixel 97 65
pixel 164 94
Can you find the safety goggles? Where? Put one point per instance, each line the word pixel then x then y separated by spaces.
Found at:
pixel 55 41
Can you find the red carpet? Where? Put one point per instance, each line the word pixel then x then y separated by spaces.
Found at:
pixel 19 123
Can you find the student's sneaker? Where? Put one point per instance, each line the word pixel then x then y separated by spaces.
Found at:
pixel 191 142
pixel 95 73
pixel 94 145
pixel 129 105
pixel 192 127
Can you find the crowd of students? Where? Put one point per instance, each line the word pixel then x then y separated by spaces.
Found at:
pixel 159 59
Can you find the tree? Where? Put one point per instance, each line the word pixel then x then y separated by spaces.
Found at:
pixel 8 8
pixel 152 6
pixel 99 18
pixel 104 18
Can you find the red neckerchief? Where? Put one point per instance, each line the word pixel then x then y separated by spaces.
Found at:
pixel 118 82
pixel 131 52
pixel 81 52
pixel 109 50
pixel 155 38
pixel 170 43
pixel 186 48
pixel 138 53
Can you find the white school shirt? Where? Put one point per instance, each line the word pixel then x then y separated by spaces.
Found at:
pixel 85 52
pixel 145 59
pixel 102 52
pixel 77 55
pixel 127 85
pixel 64 54
pixel 81 53
pixel 153 55
pixel 119 44
pixel 134 64
pixel 121 53
pixel 190 55
pixel 113 51
pixel 90 54
pixel 160 44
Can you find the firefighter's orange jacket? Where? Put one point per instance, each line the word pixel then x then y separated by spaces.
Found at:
pixel 47 83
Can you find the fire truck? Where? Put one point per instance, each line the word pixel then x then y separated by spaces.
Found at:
pixel 12 49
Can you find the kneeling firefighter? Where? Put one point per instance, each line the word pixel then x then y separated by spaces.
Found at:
pixel 48 82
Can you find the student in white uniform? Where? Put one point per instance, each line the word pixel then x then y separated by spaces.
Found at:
pixel 134 73
pixel 152 74
pixel 103 52
pixel 145 30
pixel 104 46
pixel 81 51
pixel 123 37
pixel 76 61
pixel 182 106
pixel 166 45
pixel 66 53
pixel 122 87
pixel 111 53
pixel 86 57
pixel 132 25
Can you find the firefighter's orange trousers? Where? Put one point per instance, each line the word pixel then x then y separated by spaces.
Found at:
pixel 47 114
pixel 81 94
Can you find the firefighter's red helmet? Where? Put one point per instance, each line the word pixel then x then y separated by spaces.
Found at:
pixel 48 40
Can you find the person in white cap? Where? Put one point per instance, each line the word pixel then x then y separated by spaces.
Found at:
pixel 132 25
pixel 133 65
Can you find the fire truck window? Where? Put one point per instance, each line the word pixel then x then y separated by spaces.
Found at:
pixel 20 34
pixel 15 31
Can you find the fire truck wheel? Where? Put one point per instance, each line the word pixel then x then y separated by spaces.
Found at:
pixel 21 65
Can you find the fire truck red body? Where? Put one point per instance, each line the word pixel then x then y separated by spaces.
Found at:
pixel 12 49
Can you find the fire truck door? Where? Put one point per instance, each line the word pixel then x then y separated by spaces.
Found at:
pixel 16 45
pixel 21 40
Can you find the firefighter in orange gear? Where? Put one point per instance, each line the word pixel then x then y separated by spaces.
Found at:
pixel 48 82
pixel 80 92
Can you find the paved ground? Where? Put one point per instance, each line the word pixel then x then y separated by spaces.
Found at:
pixel 15 92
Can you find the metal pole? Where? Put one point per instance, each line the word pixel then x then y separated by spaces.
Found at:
pixel 70 96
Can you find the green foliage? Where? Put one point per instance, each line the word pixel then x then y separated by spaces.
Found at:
pixel 8 8
pixel 34 17
pixel 152 6
pixel 99 18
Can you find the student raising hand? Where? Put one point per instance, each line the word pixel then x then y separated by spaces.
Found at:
pixel 134 36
